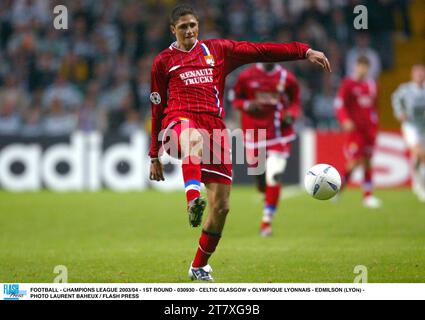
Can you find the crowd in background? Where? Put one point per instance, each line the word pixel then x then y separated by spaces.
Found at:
pixel 95 75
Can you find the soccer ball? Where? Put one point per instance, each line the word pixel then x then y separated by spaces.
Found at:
pixel 322 182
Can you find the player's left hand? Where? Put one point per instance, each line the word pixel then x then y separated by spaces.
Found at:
pixel 318 57
pixel 157 171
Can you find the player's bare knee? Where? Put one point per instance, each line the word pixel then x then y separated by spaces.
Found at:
pixel 221 208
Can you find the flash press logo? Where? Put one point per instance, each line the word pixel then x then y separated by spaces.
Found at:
pixel 12 292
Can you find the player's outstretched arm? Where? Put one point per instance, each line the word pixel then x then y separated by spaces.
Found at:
pixel 319 58
pixel 245 52
pixel 157 170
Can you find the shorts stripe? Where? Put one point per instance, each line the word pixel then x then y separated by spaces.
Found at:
pixel 192 187
pixel 218 173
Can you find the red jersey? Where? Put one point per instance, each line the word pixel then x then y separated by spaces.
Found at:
pixel 357 101
pixel 278 94
pixel 193 81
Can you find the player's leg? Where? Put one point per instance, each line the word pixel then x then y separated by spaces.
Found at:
pixel 218 199
pixel 419 171
pixel 415 139
pixel 275 166
pixel 369 200
pixel 352 148
pixel 190 144
pixel 252 161
pixel 350 165
pixel 367 178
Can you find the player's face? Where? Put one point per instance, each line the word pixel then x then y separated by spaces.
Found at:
pixel 418 74
pixel 186 31
pixel 361 70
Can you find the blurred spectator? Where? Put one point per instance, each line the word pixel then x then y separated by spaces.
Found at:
pixel 89 117
pixel 12 91
pixel 58 121
pixel 113 96
pixel 382 27
pixel 9 117
pixel 131 124
pixel 402 7
pixel 65 92
pixel 74 68
pixel 25 12
pixel 362 48
pixel 32 125
pixel 118 116
pixel 323 106
pixel 237 18
pixel 339 29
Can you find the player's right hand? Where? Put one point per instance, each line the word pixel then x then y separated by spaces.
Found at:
pixel 319 58
pixel 348 126
pixel 157 170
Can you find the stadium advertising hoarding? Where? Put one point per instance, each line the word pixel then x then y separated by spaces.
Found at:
pixel 90 161
pixel 391 162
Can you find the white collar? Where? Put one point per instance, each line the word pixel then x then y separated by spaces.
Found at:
pixel 174 46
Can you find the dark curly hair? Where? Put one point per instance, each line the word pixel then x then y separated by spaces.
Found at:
pixel 180 11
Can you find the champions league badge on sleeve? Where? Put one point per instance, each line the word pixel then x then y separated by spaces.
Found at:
pixel 155 98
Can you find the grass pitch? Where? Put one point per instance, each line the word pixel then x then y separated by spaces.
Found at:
pixel 145 237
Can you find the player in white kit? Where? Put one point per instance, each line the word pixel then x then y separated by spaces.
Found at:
pixel 409 107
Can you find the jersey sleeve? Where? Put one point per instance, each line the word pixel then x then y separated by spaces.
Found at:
pixel 158 97
pixel 237 94
pixel 292 89
pixel 244 52
pixel 397 99
pixel 340 103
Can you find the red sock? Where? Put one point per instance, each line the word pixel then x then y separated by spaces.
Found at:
pixel 367 183
pixel 271 202
pixel 272 195
pixel 192 177
pixel 207 244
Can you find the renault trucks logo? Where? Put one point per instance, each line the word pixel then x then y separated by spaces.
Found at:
pixel 12 292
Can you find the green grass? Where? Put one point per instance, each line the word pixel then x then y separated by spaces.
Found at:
pixel 145 237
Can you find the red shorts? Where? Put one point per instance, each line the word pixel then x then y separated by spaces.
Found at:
pixel 216 162
pixel 359 145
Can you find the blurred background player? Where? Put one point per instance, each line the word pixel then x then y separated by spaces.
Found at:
pixel 356 110
pixel 188 81
pixel 268 97
pixel 409 108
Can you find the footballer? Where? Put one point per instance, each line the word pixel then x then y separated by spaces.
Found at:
pixel 409 108
pixel 356 110
pixel 187 85
pixel 268 97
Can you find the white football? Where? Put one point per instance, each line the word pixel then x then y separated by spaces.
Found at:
pixel 322 182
